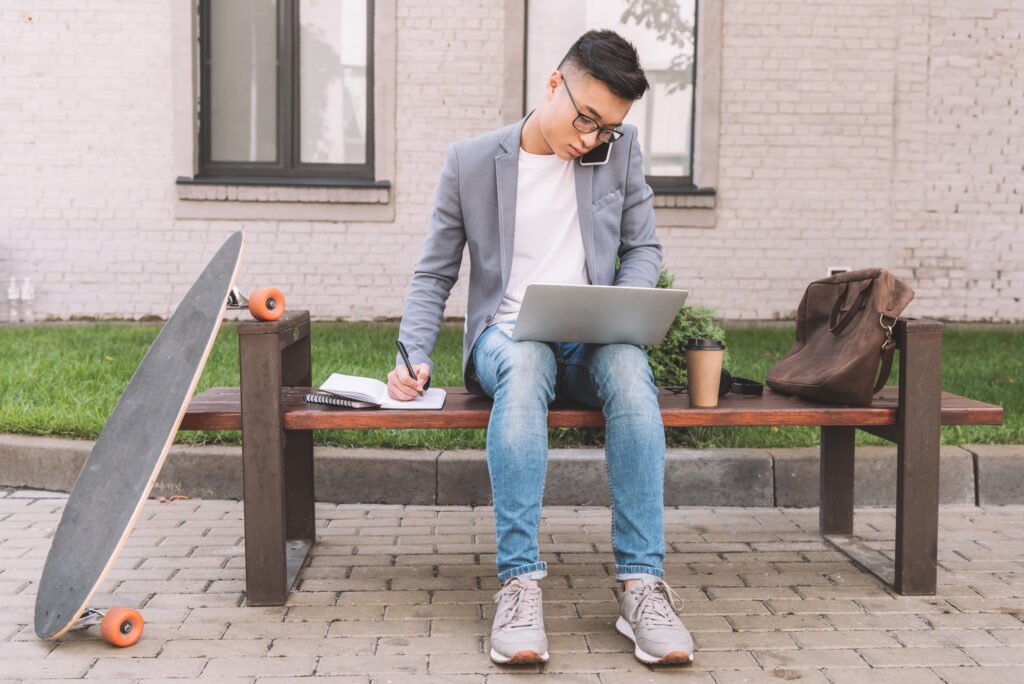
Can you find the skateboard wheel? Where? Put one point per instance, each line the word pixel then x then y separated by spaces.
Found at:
pixel 121 626
pixel 266 304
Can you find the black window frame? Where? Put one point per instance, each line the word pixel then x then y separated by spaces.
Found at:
pixel 287 168
pixel 683 183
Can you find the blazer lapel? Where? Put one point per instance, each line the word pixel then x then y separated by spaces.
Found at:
pixel 506 170
pixel 584 176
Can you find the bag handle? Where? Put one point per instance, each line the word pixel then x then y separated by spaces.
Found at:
pixel 837 326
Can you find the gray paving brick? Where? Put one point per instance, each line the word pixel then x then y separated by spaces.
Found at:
pixel 382 628
pixel 427 645
pixel 544 678
pixel 846 638
pixel 950 638
pixel 734 641
pixel 773 676
pixel 276 630
pixel 400 664
pixel 902 675
pixel 989 655
pixel 212 648
pixel 990 675
pixel 809 659
pixel 391 678
pixel 1010 637
pixel 260 667
pixel 915 657
pixel 70 668
pixel 89 645
pixel 114 668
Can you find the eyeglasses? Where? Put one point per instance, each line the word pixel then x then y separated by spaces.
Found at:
pixel 584 124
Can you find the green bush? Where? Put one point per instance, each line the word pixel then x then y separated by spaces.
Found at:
pixel 668 359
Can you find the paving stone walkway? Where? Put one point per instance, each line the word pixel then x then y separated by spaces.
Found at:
pixel 403 594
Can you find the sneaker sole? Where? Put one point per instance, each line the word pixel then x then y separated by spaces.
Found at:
pixel 673 658
pixel 520 658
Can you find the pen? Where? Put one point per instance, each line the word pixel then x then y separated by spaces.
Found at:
pixel 408 364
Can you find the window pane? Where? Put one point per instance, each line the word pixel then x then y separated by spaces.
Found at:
pixel 332 81
pixel 664 40
pixel 243 80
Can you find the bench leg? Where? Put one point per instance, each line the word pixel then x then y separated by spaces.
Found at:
pixel 835 513
pixel 916 433
pixel 300 519
pixel 277 465
pixel 917 478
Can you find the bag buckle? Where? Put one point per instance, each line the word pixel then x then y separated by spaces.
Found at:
pixel 890 341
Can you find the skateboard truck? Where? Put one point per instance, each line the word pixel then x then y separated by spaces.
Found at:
pixel 119 626
pixel 265 303
pixel 237 300
pixel 87 619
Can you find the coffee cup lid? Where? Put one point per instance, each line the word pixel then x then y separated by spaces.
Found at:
pixel 701 344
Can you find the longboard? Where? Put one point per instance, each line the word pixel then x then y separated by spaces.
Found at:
pixel 119 473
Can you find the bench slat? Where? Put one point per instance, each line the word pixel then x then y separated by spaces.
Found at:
pixel 219 409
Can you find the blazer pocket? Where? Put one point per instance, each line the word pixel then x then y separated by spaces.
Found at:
pixel 613 197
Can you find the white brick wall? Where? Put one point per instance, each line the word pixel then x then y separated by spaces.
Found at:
pixel 852 133
pixel 861 134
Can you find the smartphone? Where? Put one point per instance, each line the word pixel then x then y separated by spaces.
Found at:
pixel 597 156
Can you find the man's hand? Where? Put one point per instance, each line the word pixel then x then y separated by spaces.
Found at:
pixel 404 388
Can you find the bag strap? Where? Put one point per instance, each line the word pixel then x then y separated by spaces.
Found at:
pixel 883 374
pixel 837 326
pixel 888 351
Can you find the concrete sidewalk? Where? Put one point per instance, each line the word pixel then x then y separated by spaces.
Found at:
pixel 403 594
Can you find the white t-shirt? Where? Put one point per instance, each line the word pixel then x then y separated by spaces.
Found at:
pixel 548 246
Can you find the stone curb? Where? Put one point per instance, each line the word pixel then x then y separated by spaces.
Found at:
pixel 970 474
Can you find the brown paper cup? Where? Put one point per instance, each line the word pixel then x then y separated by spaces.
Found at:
pixel 704 373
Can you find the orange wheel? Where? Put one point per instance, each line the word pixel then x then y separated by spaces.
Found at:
pixel 266 304
pixel 121 626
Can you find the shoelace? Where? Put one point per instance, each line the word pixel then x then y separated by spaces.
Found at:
pixel 657 606
pixel 521 607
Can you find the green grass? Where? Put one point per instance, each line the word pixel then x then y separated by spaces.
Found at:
pixel 64 380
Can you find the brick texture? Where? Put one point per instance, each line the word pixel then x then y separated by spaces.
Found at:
pixel 851 134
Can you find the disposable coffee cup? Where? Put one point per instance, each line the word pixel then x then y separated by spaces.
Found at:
pixel 704 371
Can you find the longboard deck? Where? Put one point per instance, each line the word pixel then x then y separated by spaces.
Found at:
pixel 120 471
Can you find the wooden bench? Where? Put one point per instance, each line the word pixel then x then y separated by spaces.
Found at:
pixel 277 446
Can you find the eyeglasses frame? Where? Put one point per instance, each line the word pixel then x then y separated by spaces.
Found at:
pixel 613 134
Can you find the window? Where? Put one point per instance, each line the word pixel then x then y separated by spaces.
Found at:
pixel 286 91
pixel 663 33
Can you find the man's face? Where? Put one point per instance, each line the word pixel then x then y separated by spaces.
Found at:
pixel 557 113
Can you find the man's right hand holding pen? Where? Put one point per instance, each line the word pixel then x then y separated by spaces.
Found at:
pixel 402 384
pixel 403 387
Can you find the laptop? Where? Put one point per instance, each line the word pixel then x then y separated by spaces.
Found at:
pixel 601 314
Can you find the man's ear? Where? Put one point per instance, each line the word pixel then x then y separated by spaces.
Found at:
pixel 554 80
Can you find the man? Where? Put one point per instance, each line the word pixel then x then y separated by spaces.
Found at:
pixel 531 212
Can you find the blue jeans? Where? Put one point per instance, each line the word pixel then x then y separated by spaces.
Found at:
pixel 523 378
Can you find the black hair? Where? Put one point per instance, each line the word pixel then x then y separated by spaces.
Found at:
pixel 611 59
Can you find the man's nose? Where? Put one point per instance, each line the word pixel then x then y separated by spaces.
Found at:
pixel 589 139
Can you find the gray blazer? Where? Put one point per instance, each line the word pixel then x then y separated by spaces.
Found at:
pixel 475 204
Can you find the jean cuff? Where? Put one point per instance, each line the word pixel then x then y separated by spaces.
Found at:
pixel 630 572
pixel 533 571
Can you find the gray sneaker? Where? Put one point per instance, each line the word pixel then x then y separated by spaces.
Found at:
pixel 648 618
pixel 517 636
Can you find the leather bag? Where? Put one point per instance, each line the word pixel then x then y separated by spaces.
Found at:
pixel 844 329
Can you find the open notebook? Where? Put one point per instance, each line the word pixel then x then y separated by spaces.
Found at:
pixel 357 392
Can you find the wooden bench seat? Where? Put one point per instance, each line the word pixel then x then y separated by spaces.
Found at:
pixel 219 408
pixel 277 446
